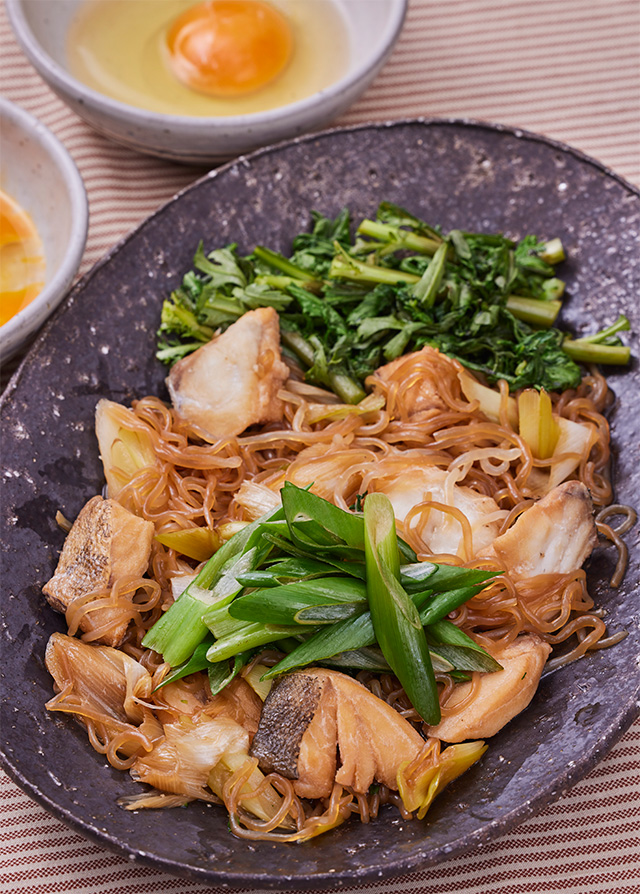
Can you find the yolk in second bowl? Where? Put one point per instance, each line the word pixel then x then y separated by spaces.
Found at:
pixel 22 262
pixel 229 47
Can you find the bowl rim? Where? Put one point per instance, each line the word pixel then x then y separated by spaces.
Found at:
pixel 33 315
pixel 64 82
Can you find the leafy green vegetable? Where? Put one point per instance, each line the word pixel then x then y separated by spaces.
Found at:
pixel 348 307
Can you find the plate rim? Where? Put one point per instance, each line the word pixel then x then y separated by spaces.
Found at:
pixel 548 794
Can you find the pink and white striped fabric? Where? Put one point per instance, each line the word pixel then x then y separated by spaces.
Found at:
pixel 569 69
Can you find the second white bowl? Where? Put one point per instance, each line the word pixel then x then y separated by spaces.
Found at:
pixel 39 173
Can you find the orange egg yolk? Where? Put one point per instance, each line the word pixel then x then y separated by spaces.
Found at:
pixel 229 47
pixel 21 259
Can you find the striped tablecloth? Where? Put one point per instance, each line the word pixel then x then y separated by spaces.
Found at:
pixel 569 69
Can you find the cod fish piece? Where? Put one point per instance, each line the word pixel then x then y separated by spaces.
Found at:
pixel 557 534
pixel 311 715
pixel 232 382
pixel 499 697
pixel 106 543
pixel 409 483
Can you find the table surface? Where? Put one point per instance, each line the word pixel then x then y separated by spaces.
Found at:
pixel 569 69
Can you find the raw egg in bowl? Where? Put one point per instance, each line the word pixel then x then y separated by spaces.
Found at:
pixel 228 48
pixel 43 225
pixel 203 81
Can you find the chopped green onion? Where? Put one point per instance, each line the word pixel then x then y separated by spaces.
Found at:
pixel 179 631
pixel 464 652
pixel 344 636
pixel 396 621
pixel 279 605
pixel 329 613
pixel 441 604
pixel 197 662
pixel 247 636
pixel 221 674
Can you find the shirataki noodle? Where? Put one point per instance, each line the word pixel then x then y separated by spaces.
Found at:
pixel 193 481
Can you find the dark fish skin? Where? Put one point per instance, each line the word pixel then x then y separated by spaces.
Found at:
pixel 287 712
pixel 105 544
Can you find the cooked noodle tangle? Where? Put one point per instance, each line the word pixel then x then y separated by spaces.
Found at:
pixel 194 482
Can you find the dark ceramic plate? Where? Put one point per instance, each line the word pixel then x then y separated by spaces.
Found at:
pixel 101 343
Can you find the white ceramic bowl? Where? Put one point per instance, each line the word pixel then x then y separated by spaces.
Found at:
pixel 38 172
pixel 42 26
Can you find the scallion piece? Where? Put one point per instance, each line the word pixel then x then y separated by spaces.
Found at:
pixel 197 662
pixel 315 523
pixel 223 672
pixel 180 630
pixel 456 646
pixel 439 605
pixel 396 621
pixel 280 605
pixel 343 636
pixel 247 636
pixel 440 578
pixel 329 614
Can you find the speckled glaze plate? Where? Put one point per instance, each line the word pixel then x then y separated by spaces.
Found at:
pixel 101 343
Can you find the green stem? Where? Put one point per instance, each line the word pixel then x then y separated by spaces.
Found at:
pixel 275 259
pixel 622 323
pixel 299 345
pixel 534 311
pixel 553 289
pixel 344 266
pixel 553 252
pixel 585 351
pixel 427 288
pixel 405 238
pixel 347 389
